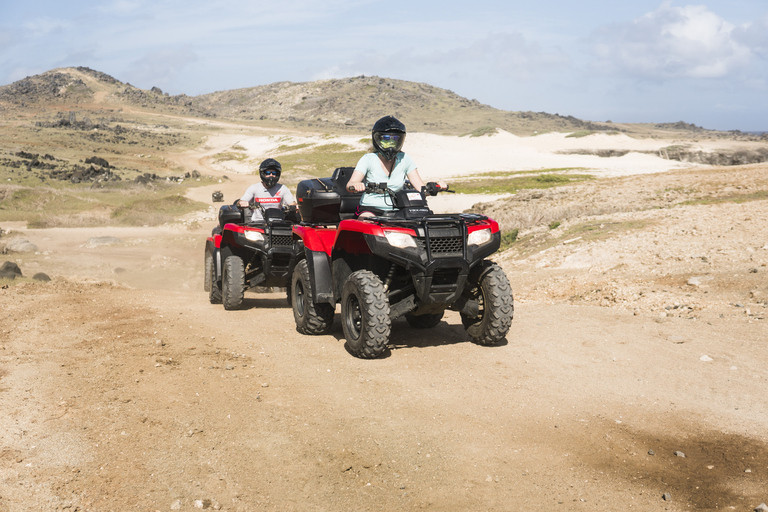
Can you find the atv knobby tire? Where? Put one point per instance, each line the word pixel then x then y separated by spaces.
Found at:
pixel 208 272
pixel 489 286
pixel 365 314
pixel 424 321
pixel 310 318
pixel 233 282
pixel 214 294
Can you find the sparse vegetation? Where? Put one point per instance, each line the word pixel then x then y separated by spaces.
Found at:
pixel 759 195
pixel 506 174
pixel 229 155
pixel 154 211
pixel 579 134
pixel 319 161
pixel 515 184
pixel 286 148
pixel 483 130
pixel 71 206
pixel 508 238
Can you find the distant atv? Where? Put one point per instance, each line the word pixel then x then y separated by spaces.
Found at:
pixel 409 262
pixel 241 254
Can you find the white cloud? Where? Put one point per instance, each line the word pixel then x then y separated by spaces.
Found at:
pixel 40 27
pixel 23 72
pixel 120 7
pixel 503 55
pixel 755 36
pixel 160 67
pixel 673 42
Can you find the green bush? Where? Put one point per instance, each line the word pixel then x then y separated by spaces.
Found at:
pixel 508 238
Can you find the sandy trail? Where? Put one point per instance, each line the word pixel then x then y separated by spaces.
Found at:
pixel 127 390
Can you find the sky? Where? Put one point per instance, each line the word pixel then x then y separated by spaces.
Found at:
pixel 702 62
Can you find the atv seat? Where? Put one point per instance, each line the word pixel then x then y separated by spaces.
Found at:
pixel 349 200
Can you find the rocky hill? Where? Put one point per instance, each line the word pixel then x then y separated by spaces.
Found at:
pixel 348 104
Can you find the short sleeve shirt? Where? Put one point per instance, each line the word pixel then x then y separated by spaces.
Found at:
pixel 373 172
pixel 274 197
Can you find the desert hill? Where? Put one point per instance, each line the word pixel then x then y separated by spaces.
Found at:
pixel 335 105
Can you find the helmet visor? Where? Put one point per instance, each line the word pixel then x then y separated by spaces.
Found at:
pixel 389 141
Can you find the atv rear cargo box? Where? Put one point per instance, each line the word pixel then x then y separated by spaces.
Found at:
pixel 318 201
pixel 230 213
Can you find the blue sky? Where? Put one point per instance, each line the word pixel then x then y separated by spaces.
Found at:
pixel 701 62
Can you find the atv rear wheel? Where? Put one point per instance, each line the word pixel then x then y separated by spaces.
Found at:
pixel 208 271
pixel 310 318
pixel 489 287
pixel 214 294
pixel 365 314
pixel 233 282
pixel 424 321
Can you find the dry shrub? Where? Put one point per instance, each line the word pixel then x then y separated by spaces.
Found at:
pixel 531 208
pixel 100 217
pixel 6 191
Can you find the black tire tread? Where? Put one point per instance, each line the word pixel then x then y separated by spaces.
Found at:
pixel 498 307
pixel 233 282
pixel 208 271
pixel 374 305
pixel 317 318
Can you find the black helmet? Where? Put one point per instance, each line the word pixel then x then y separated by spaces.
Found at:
pixel 270 164
pixel 388 135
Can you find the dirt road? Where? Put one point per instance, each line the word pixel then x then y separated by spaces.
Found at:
pixel 150 398
pixel 623 384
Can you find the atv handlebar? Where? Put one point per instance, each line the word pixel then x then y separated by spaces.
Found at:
pixel 432 188
pixel 376 188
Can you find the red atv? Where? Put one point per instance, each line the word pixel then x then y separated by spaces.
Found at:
pixel 408 262
pixel 241 254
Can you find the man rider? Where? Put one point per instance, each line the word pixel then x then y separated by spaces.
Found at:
pixel 268 193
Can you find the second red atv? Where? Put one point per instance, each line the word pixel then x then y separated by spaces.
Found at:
pixel 241 254
pixel 409 262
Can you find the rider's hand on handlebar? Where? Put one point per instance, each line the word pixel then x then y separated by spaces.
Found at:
pixel 242 204
pixel 432 188
pixel 356 187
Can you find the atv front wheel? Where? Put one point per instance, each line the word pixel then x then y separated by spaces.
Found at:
pixel 233 282
pixel 424 321
pixel 310 318
pixel 489 288
pixel 365 314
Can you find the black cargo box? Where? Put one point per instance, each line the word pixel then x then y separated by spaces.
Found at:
pixel 230 214
pixel 318 201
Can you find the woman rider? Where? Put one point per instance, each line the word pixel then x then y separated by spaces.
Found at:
pixel 387 164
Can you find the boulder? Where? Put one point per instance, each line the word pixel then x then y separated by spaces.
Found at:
pixel 20 245
pixel 102 240
pixel 41 276
pixel 10 270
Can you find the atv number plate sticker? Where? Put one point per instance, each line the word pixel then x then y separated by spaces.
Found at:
pixel 414 196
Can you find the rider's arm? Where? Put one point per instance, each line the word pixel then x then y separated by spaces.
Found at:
pixel 247 198
pixel 417 182
pixel 287 198
pixel 355 183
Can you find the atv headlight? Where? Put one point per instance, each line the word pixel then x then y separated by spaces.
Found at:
pixel 399 240
pixel 254 236
pixel 479 237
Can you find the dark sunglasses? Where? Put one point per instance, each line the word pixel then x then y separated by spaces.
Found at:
pixel 270 172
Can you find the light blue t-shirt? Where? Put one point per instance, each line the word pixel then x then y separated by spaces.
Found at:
pixel 373 172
